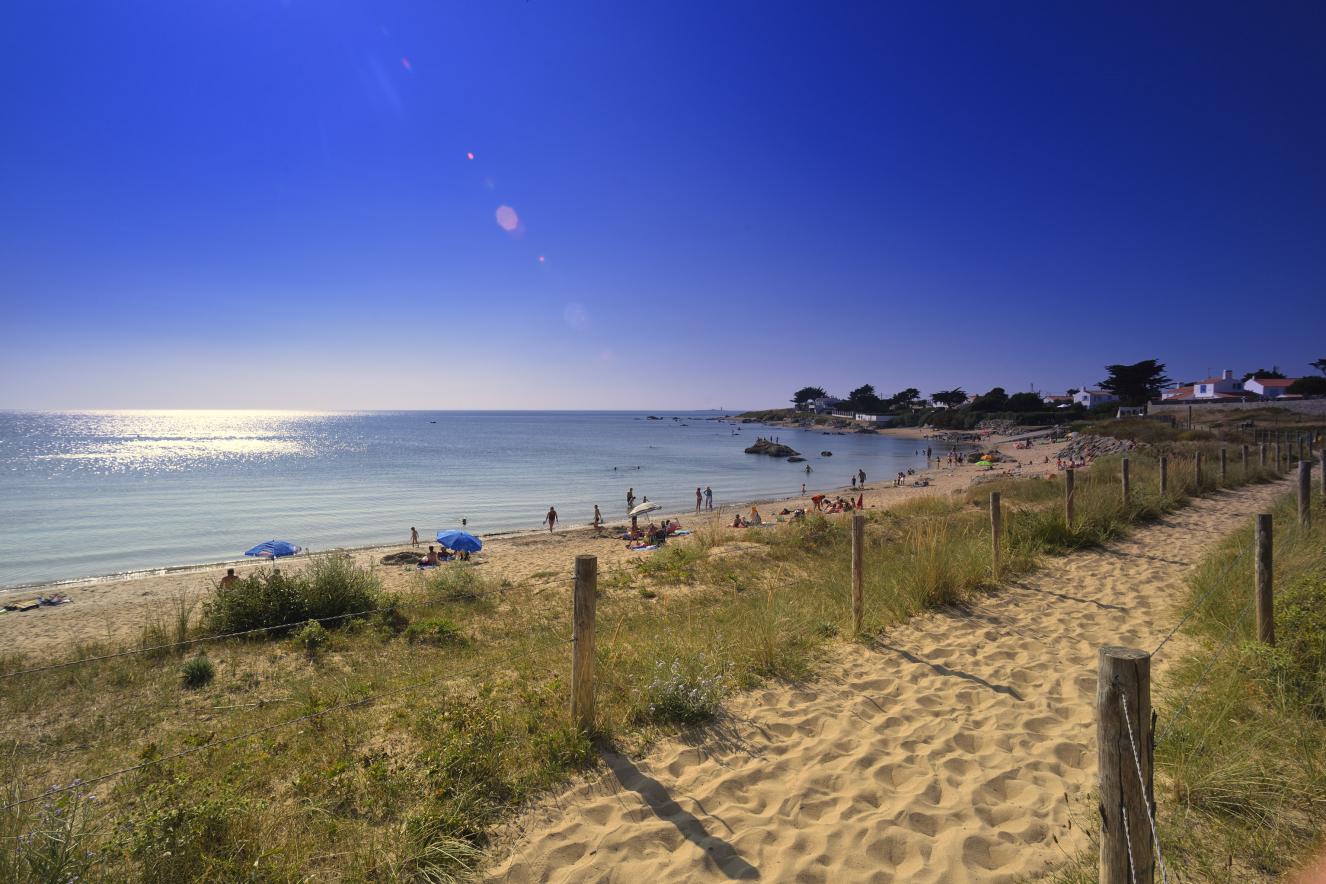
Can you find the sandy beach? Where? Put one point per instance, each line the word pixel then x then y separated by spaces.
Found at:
pixel 114 609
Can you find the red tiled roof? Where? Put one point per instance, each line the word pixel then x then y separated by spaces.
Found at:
pixel 1273 382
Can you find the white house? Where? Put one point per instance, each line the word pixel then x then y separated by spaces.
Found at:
pixel 1208 389
pixel 1092 398
pixel 1268 388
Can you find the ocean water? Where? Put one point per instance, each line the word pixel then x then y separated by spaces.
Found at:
pixel 93 493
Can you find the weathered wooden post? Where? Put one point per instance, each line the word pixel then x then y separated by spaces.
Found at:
pixel 582 633
pixel 858 554
pixel 1245 462
pixel 1305 494
pixel 1123 724
pixel 1123 474
pixel 1190 417
pixel 1279 460
pixel 1224 466
pixel 1262 447
pixel 1322 477
pixel 996 532
pixel 1164 475
pixel 1068 497
pixel 1197 471
pixel 1264 572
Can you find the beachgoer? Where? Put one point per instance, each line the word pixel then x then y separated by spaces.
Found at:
pixel 807 469
pixel 755 518
pixel 550 520
pixel 853 481
pixel 431 558
pixel 414 536
pixel 229 579
pixel 708 497
pixel 861 477
pixel 630 498
pixel 699 498
pixel 803 488
pixel 598 517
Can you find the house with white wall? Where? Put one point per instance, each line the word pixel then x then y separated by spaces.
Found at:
pixel 1226 386
pixel 1268 388
pixel 1092 398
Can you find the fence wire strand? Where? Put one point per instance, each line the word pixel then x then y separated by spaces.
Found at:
pixel 1141 783
pixel 1215 658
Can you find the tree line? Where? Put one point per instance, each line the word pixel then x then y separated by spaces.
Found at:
pixel 1132 384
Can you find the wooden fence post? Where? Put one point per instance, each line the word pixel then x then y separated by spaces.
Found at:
pixel 1124 674
pixel 1197 471
pixel 1262 448
pixel 1265 605
pixel 1224 466
pixel 1322 454
pixel 1245 461
pixel 1164 474
pixel 1278 459
pixel 858 545
pixel 1127 487
pixel 996 532
pixel 1305 494
pixel 582 633
pixel 1068 498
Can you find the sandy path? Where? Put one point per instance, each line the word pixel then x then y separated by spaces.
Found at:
pixel 952 750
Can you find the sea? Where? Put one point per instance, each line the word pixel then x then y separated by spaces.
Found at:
pixel 97 493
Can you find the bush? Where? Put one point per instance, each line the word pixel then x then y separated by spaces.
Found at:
pixel 337 587
pixel 312 638
pixel 437 631
pixel 197 672
pixel 685 695
pixel 330 591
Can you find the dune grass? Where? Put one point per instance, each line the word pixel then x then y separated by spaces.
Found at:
pixel 1240 753
pixel 470 719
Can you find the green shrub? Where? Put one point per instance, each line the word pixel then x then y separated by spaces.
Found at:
pixel 338 587
pixel 197 672
pixel 435 631
pixel 684 694
pixel 389 617
pixel 312 638
pixel 330 590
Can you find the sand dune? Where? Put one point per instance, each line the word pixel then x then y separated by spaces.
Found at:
pixel 955 748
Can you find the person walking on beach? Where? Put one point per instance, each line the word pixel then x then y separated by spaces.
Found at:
pixel 551 518
pixel 414 536
pixel 708 497
pixel 861 478
pixel 598 516
pixel 630 498
pixel 803 489
pixel 699 498
pixel 853 482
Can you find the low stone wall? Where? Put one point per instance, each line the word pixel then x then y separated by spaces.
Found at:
pixel 1300 406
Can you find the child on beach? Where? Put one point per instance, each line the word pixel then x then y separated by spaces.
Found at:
pixel 550 520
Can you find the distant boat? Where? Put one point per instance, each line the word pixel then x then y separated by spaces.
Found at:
pixel 432 422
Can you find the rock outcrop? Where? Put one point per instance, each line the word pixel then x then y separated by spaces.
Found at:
pixel 773 449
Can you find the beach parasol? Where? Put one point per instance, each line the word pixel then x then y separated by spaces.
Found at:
pixel 461 541
pixel 645 508
pixel 275 549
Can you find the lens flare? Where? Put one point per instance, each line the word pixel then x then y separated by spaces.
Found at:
pixel 541 259
pixel 405 63
pixel 469 155
pixel 507 219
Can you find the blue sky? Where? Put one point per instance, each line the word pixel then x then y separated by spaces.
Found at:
pixel 271 204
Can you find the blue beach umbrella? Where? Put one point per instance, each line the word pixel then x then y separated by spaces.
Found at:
pixel 462 541
pixel 274 549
